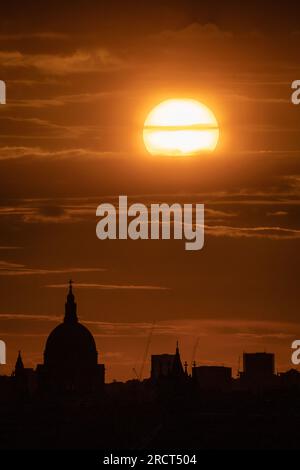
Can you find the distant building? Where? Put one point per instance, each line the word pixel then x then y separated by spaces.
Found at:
pixel 290 379
pixel 24 379
pixel 70 357
pixel 166 366
pixel 258 365
pixel 217 378
pixel 7 388
pixel 258 370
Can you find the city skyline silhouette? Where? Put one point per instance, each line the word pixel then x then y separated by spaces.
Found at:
pixel 71 363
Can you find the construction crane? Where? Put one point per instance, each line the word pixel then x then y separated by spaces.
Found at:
pixel 146 351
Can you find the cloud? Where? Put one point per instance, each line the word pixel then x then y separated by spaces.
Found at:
pixel 263 330
pixel 47 214
pixel 52 129
pixel 221 221
pixel 272 233
pixel 80 61
pixel 20 316
pixel 111 286
pixel 73 211
pixel 43 213
pixel 219 215
pixel 62 100
pixel 18 152
pixel 277 214
pixel 10 247
pixel 193 33
pixel 40 35
pixel 16 269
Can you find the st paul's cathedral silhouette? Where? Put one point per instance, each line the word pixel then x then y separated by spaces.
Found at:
pixel 70 356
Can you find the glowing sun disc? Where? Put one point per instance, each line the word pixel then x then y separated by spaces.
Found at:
pixel 180 127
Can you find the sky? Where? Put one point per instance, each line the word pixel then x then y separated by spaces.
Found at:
pixel 81 80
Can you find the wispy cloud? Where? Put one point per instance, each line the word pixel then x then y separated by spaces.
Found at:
pixel 62 100
pixel 21 316
pixel 17 152
pixel 40 35
pixel 80 61
pixel 10 247
pixel 273 233
pixel 277 214
pixel 15 269
pixel 240 329
pixel 145 287
pixel 53 129
pixel 194 32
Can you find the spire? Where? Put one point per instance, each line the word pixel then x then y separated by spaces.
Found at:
pixel 19 362
pixel 70 306
pixel 177 369
pixel 19 367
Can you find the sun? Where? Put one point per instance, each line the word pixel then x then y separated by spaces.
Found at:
pixel 179 127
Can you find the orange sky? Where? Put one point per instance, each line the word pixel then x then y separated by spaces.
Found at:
pixel 80 83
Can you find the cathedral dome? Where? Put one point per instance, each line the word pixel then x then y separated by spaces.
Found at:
pixel 70 358
pixel 70 344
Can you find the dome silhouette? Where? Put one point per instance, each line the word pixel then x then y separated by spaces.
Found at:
pixel 70 356
pixel 70 342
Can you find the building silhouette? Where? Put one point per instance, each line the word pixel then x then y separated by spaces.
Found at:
pixel 24 379
pixel 70 357
pixel 217 378
pixel 71 366
pixel 258 370
pixel 164 366
pixel 258 364
pixel 64 403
